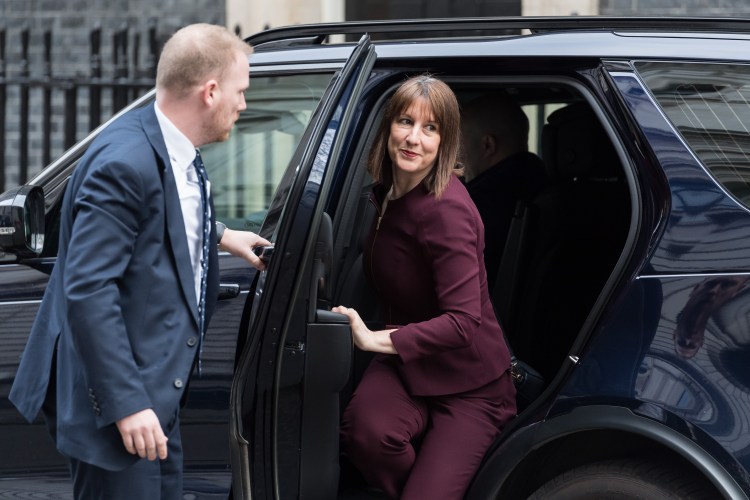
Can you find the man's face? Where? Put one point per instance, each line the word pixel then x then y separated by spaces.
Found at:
pixel 229 100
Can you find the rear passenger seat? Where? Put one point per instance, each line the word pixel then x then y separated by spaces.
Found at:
pixel 564 243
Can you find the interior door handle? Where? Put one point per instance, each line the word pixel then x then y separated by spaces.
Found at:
pixel 325 316
pixel 228 290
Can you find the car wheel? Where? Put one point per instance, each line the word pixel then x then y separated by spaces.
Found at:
pixel 625 480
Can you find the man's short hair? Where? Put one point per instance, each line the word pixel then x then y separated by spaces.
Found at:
pixel 196 53
pixel 497 114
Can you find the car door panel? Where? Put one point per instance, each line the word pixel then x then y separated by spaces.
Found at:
pixel 272 394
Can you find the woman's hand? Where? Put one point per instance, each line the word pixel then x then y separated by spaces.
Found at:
pixel 363 337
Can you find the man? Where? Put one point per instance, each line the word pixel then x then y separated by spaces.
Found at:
pixel 499 169
pixel 123 317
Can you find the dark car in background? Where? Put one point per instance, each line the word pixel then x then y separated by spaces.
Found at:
pixel 625 283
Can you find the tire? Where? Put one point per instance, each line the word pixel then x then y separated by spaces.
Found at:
pixel 626 480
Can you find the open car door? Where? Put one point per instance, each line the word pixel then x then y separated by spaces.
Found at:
pixel 295 355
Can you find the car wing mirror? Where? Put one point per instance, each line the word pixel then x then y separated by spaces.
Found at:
pixel 22 221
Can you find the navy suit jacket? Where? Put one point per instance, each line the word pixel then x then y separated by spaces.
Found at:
pixel 120 310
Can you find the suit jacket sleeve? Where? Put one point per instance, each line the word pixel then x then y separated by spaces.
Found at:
pixel 450 236
pixel 107 214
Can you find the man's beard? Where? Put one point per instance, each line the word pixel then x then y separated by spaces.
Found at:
pixel 215 130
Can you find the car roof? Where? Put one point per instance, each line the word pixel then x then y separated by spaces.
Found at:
pixel 574 36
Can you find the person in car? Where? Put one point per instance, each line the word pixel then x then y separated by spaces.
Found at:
pixel 122 321
pixel 438 391
pixel 499 170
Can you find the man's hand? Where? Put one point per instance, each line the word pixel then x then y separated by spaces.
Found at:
pixel 142 435
pixel 241 244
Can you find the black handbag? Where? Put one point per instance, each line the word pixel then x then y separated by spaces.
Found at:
pixel 529 383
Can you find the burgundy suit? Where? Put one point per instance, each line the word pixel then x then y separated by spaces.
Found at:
pixel 449 386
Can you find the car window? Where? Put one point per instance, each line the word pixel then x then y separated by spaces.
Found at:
pixel 710 106
pixel 246 169
pixel 537 115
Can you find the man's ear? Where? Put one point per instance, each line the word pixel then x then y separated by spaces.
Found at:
pixel 208 93
pixel 489 145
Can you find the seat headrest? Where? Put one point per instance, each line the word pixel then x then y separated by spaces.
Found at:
pixel 574 144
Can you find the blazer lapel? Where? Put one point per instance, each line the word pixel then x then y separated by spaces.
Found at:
pixel 173 210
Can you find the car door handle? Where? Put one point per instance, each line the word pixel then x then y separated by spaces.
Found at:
pixel 228 290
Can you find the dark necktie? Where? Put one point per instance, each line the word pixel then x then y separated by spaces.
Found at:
pixel 205 231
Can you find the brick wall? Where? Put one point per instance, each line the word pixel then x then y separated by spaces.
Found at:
pixel 70 22
pixel 705 8
pixel 416 9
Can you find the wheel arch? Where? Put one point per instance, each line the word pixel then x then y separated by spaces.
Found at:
pixel 536 453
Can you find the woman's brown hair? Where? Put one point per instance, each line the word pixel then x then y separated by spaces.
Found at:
pixel 443 104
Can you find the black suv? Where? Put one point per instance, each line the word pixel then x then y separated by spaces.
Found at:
pixel 624 283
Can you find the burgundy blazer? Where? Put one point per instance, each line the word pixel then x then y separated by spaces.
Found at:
pixel 424 256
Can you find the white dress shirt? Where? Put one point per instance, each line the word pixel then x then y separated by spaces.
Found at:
pixel 181 155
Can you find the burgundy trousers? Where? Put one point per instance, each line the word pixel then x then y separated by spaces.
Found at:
pixel 421 447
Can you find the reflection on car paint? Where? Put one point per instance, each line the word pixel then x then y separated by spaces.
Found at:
pixel 707 297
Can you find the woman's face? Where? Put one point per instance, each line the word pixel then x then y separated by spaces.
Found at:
pixel 414 141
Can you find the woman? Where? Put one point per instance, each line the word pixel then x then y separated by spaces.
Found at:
pixel 439 391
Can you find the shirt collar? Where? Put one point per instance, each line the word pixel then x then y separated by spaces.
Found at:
pixel 181 150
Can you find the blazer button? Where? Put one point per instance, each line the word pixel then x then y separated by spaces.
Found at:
pixel 178 383
pixel 192 341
